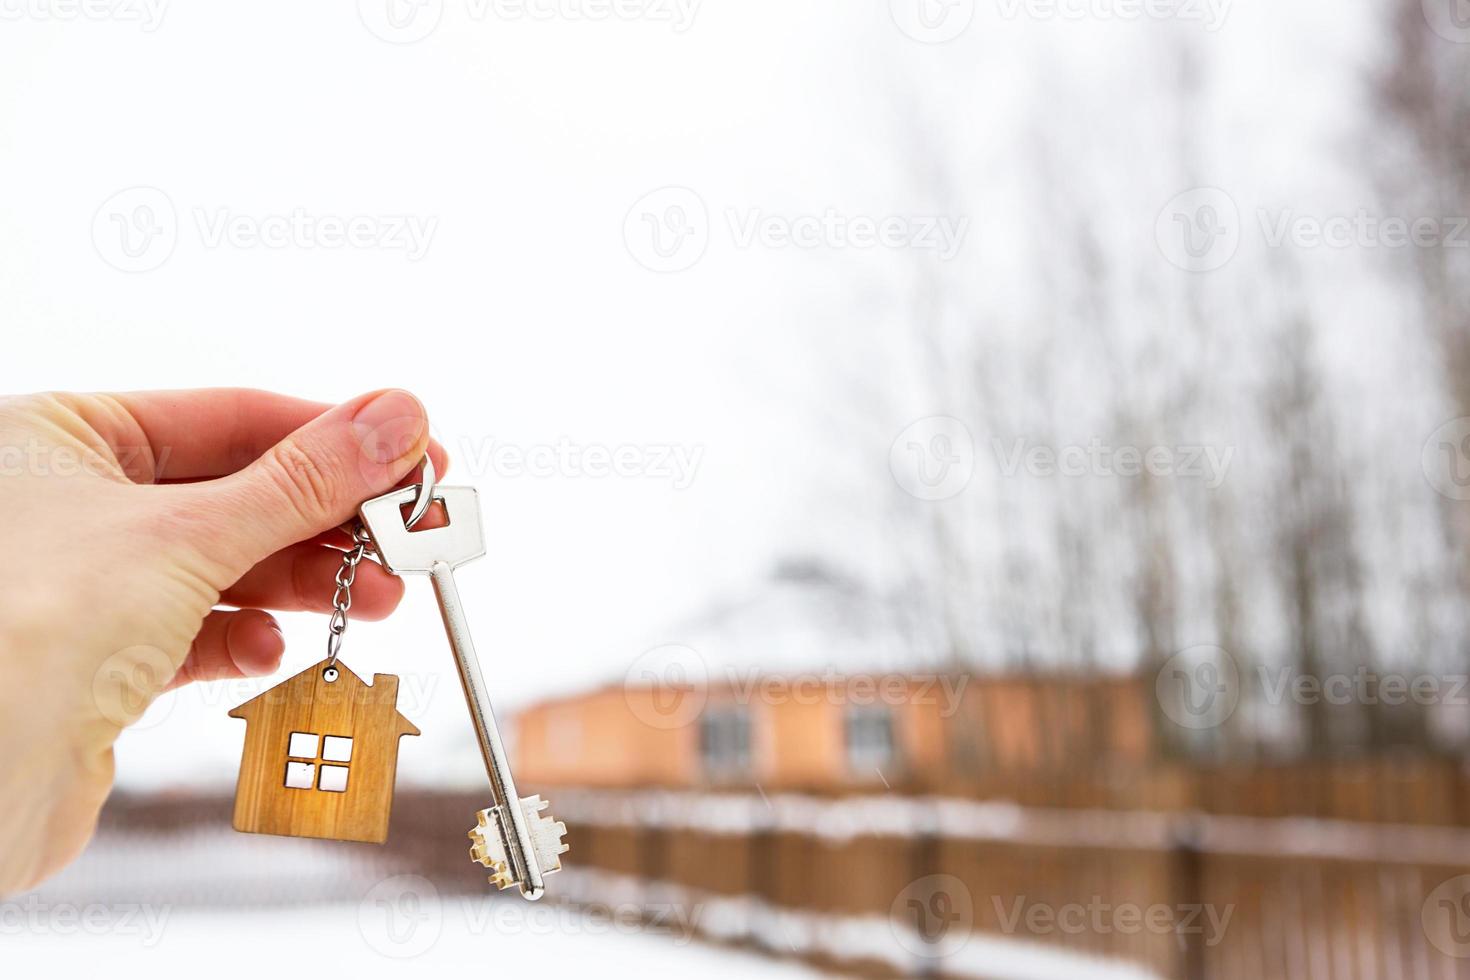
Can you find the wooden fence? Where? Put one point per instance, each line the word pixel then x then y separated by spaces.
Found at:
pixel 1409 790
pixel 1347 873
pixel 1190 897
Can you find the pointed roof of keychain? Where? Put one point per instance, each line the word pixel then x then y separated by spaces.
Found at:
pixel 310 687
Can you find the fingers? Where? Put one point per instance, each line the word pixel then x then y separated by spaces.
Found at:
pixel 303 577
pixel 207 432
pixel 232 643
pixel 315 478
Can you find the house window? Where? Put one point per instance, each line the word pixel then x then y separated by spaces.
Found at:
pixel 315 762
pixel 869 738
pixel 724 741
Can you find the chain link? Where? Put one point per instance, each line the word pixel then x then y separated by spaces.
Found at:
pixel 342 598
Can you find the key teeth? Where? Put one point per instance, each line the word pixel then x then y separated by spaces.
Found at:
pixel 486 849
pixel 488 840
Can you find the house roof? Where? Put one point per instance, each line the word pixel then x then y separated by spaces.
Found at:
pixel 383 691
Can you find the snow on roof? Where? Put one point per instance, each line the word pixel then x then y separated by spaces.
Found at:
pixel 805 617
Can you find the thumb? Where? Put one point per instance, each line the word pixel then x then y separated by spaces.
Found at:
pixel 316 477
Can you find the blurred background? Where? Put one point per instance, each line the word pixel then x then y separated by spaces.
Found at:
pixel 975 488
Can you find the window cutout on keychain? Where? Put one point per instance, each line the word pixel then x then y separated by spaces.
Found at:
pixel 300 775
pixel 336 748
pixel 333 779
pixel 302 745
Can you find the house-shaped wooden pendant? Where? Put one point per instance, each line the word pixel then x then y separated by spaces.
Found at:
pixel 321 755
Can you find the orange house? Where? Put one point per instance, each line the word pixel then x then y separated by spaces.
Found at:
pixel 321 756
pixel 833 733
pixel 778 732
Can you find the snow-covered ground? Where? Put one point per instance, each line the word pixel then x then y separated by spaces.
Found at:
pixel 352 940
pixel 163 905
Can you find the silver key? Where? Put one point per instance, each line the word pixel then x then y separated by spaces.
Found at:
pixel 513 838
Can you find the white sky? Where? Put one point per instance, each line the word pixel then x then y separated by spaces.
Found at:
pixel 528 321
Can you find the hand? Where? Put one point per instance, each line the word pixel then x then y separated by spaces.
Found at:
pixel 126 519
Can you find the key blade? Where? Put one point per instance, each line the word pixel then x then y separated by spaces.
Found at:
pixel 405 552
pixel 516 825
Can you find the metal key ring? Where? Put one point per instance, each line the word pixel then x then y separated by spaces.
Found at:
pixel 426 493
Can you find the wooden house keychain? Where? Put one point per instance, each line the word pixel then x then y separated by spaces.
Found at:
pixel 321 749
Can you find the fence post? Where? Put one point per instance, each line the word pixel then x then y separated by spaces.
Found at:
pixel 1188 886
pixel 925 863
